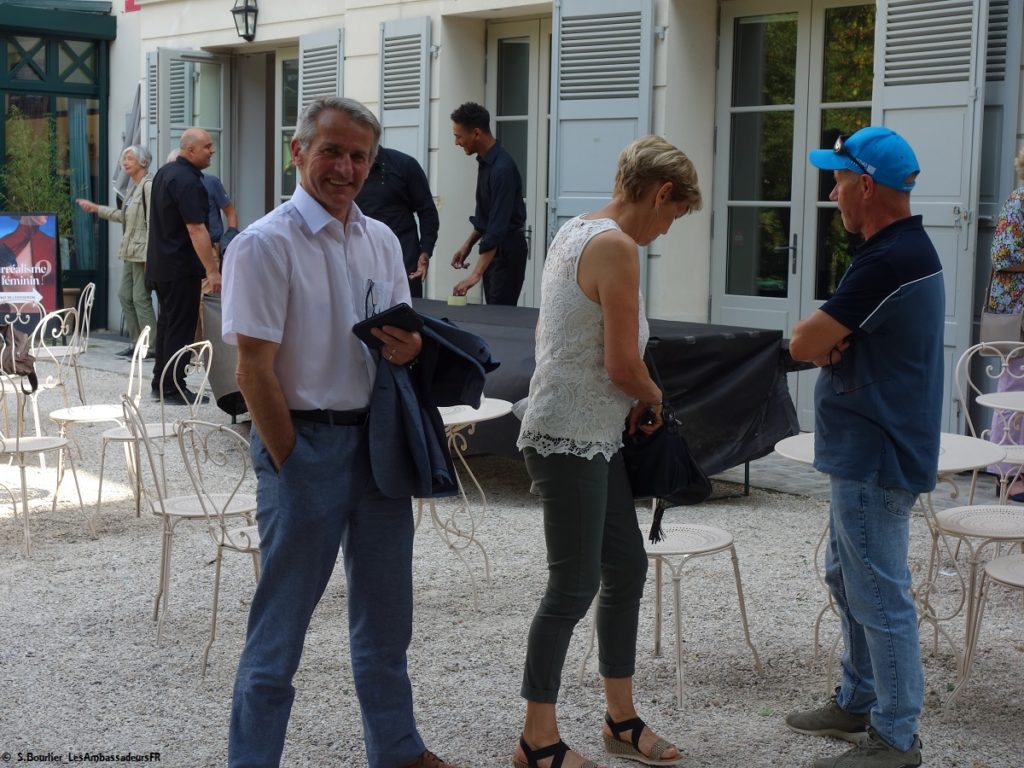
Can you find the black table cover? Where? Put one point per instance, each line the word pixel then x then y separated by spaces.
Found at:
pixel 727 384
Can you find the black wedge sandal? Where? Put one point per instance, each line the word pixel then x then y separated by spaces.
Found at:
pixel 555 751
pixel 616 745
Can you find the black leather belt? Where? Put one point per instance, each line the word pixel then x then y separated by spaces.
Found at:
pixel 334 418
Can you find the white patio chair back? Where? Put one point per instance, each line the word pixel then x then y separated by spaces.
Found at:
pixel 51 344
pixel 197 359
pixel 218 463
pixel 85 302
pixel 977 372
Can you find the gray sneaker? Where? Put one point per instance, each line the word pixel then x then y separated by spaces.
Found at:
pixel 874 753
pixel 830 720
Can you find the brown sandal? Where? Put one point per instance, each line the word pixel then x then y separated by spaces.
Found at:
pixel 616 745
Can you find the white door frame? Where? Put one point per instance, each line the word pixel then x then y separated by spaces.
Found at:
pixel 537 33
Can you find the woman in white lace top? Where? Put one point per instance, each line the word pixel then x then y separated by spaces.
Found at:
pixel 590 380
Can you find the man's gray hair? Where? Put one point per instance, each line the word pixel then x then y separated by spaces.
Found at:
pixel 305 131
pixel 142 155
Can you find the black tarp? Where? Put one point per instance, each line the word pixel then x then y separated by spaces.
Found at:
pixel 727 384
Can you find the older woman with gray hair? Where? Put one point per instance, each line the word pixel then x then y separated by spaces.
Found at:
pixel 136 300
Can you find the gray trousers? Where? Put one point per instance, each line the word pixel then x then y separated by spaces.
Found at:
pixel 593 542
pixel 137 301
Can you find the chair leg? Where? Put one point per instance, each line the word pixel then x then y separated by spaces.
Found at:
pixel 89 519
pixel 657 606
pixel 165 546
pixel 24 507
pixel 677 588
pixel 743 611
pixel 590 643
pixel 213 615
pixel 971 641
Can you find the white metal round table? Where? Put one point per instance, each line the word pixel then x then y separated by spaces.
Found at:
pixel 1005 401
pixel 458 528
pixel 957 453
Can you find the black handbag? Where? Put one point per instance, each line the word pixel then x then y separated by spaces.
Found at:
pixel 661 467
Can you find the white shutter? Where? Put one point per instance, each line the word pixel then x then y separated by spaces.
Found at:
pixel 601 76
pixel 321 62
pixel 601 97
pixel 152 110
pixel 929 83
pixel 405 85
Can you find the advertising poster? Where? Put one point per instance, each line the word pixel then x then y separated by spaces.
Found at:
pixel 29 259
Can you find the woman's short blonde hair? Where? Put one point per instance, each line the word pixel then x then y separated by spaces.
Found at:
pixel 652 160
pixel 1018 163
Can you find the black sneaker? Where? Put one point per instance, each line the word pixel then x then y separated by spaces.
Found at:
pixel 874 752
pixel 185 397
pixel 830 720
pixel 126 352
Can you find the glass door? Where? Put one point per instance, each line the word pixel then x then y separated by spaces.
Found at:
pixel 518 74
pixel 796 75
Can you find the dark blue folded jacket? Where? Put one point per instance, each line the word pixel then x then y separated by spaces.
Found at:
pixel 408 445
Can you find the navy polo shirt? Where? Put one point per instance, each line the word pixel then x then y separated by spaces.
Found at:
pixel 880 408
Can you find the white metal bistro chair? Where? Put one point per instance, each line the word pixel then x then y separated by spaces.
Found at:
pixel 682 543
pixel 99 413
pixel 18 448
pixel 977 371
pixel 217 457
pixel 76 344
pixel 197 357
pixel 171 510
pixel 1007 571
pixel 980 527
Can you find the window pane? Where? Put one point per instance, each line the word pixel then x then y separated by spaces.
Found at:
pixel 77 61
pixel 513 77
pixel 849 53
pixel 761 160
pixel 513 137
pixel 836 123
pixel 764 62
pixel 289 92
pixel 287 168
pixel 758 256
pixel 26 58
pixel 835 250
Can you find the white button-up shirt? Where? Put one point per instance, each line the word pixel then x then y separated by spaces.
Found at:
pixel 300 278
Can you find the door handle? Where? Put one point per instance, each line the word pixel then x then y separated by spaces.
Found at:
pixel 792 249
pixel 529 241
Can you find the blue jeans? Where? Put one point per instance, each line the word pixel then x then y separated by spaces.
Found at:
pixel 324 498
pixel 866 571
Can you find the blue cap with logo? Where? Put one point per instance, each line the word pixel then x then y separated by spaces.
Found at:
pixel 879 152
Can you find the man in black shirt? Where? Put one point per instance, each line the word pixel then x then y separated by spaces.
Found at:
pixel 500 212
pixel 180 253
pixel 396 189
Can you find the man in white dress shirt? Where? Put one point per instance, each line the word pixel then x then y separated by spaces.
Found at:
pixel 297 281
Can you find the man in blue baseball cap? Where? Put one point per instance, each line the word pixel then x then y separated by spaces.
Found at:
pixel 878 404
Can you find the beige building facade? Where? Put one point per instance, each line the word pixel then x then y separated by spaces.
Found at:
pixel 745 87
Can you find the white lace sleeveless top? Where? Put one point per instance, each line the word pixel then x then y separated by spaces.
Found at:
pixel 573 408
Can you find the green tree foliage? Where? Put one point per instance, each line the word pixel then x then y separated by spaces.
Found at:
pixel 29 179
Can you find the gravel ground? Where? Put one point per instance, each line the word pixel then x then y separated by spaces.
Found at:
pixel 81 671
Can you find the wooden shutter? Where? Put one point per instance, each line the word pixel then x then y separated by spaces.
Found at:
pixel 930 60
pixel 321 62
pixel 405 85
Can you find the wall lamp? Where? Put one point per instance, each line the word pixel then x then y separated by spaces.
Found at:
pixel 245 12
